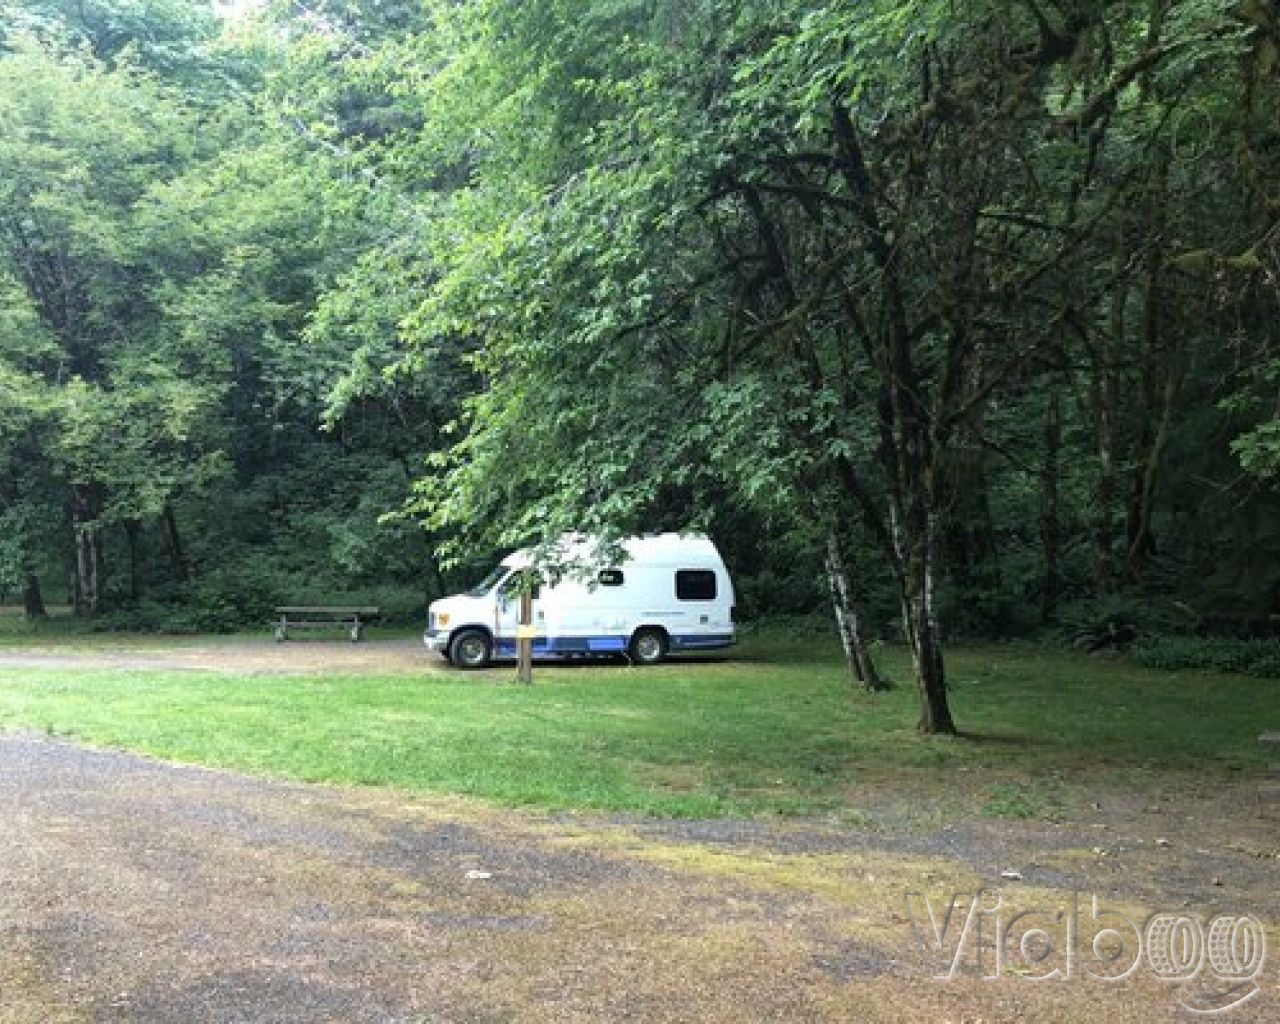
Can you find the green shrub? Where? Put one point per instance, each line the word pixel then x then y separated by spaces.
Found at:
pixel 1169 653
pixel 146 616
pixel 1267 666
pixel 233 598
pixel 766 593
pixel 1255 657
pixel 1116 621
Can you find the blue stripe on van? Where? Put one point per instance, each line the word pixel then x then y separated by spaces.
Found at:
pixel 551 646
pixel 701 641
pixel 606 643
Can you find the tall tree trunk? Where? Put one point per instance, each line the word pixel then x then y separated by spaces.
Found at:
pixel 131 529
pixel 907 450
pixel 173 545
pixel 918 582
pixel 857 657
pixel 435 578
pixel 32 599
pixel 1142 543
pixel 912 460
pixel 88 570
pixel 1050 527
pixel 971 553
pixel 1106 390
pixel 88 541
pixel 1158 393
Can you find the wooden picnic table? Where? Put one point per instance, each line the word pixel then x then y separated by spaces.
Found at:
pixel 311 616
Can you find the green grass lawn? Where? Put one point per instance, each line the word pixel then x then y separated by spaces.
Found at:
pixel 774 729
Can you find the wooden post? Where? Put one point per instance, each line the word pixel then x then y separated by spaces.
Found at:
pixel 524 635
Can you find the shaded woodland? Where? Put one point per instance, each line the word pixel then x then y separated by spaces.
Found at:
pixel 945 320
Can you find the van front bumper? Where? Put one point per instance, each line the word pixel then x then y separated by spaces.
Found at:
pixel 436 640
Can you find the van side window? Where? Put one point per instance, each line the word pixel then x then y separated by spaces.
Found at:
pixel 695 585
pixel 610 577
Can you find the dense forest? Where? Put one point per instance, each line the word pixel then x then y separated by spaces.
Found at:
pixel 953 319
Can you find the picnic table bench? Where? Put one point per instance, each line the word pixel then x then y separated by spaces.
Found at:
pixel 353 620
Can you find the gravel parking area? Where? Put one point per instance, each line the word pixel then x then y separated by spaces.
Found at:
pixel 237 654
pixel 137 890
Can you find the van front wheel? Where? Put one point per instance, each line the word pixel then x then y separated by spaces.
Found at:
pixel 648 646
pixel 471 649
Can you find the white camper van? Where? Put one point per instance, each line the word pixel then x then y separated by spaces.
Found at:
pixel 671 593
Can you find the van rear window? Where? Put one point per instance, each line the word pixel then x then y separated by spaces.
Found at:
pixel 695 585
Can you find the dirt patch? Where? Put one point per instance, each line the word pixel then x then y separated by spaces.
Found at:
pixel 135 890
pixel 240 656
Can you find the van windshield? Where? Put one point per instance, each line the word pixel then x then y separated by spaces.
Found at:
pixel 482 588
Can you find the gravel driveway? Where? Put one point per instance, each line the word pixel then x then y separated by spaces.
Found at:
pixel 135 890
pixel 235 655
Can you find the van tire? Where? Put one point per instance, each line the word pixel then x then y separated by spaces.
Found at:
pixel 648 646
pixel 470 649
